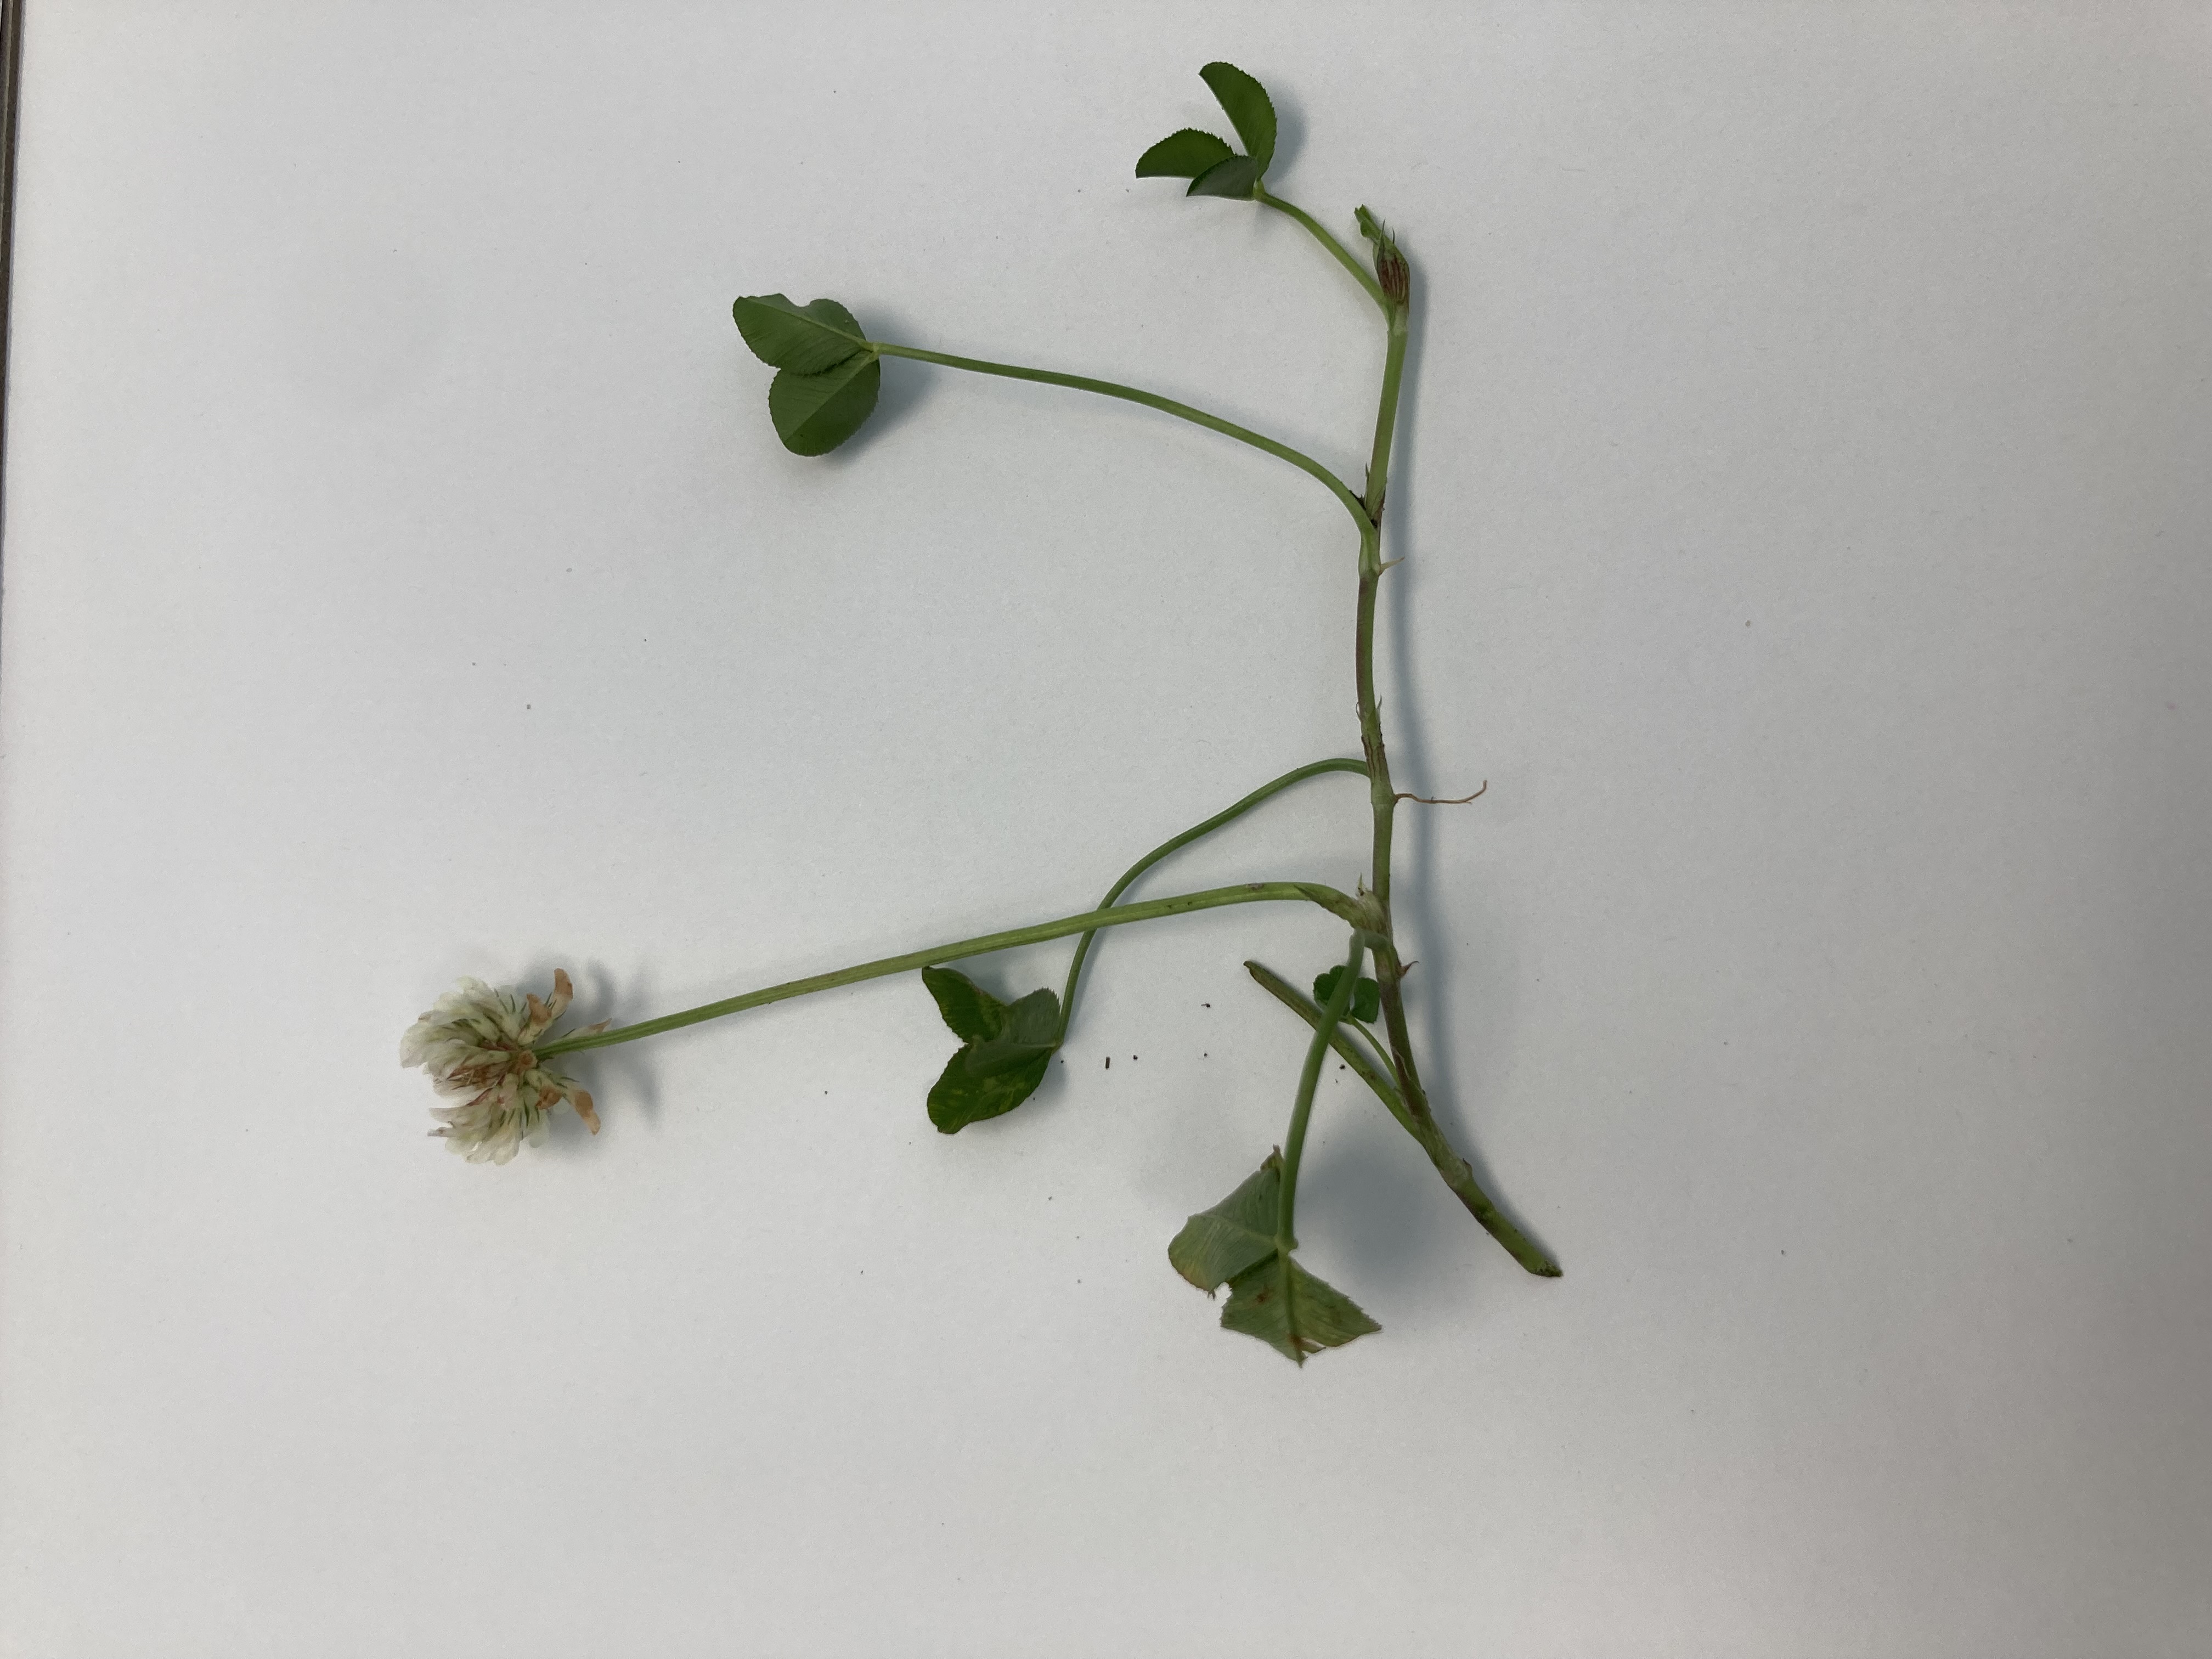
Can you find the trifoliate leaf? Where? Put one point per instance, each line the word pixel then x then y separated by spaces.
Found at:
pixel 1182 154
pixel 804 339
pixel 1291 1311
pixel 1238 1233
pixel 1366 995
pixel 1249 108
pixel 1234 177
pixel 1372 227
pixel 815 413
pixel 1005 1054
pixel 1270 1295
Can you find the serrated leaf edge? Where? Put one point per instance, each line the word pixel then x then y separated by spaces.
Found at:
pixel 1182 133
pixel 1274 121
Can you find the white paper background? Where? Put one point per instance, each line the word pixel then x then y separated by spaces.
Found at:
pixel 1806 518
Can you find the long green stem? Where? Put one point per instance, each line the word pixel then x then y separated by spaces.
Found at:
pixel 1297 458
pixel 1458 1174
pixel 1337 250
pixel 1294 1143
pixel 1382 793
pixel 1212 898
pixel 1413 1111
pixel 1386 416
pixel 1266 790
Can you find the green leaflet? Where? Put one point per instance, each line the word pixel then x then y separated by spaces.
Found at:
pixel 1233 177
pixel 1182 154
pixel 1270 1295
pixel 963 1094
pixel 1291 1311
pixel 1005 1052
pixel 1248 108
pixel 1216 1245
pixel 815 413
pixel 1366 995
pixel 804 339
pixel 973 1014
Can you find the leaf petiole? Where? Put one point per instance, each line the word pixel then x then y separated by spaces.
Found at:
pixel 1294 1143
pixel 1264 792
pixel 1342 255
pixel 1297 458
pixel 1374 1043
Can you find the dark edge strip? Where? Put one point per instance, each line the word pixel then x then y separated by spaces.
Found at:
pixel 11 99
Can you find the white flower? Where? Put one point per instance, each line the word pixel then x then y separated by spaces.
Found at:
pixel 476 1046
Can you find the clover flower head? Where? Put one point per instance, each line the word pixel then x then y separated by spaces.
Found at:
pixel 478 1046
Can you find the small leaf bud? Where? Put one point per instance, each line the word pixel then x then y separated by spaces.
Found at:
pixel 1391 269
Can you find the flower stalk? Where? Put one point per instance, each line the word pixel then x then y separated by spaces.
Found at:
pixel 1089 922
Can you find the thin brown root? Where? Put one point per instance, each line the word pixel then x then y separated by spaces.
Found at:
pixel 1455 801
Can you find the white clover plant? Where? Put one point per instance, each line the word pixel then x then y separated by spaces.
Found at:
pixel 488 1049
